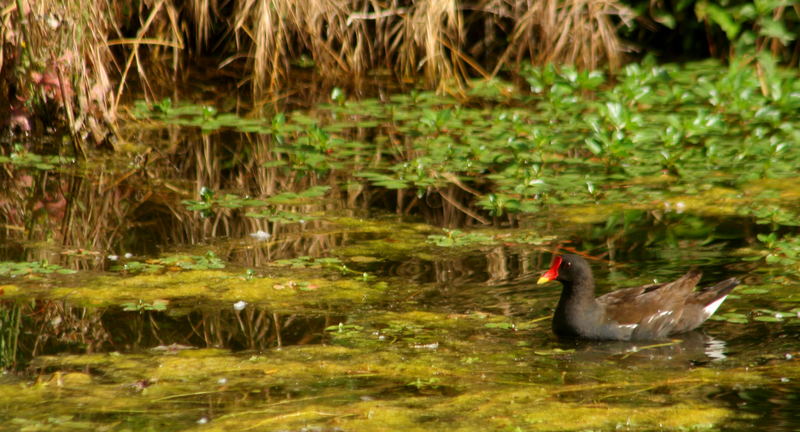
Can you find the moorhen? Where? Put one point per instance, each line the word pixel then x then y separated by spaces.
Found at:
pixel 641 313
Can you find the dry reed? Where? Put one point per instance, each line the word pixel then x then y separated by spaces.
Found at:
pixel 578 32
pixel 56 53
pixel 87 52
pixel 423 38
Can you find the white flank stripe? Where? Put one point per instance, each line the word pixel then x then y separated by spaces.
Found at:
pixel 658 315
pixel 712 307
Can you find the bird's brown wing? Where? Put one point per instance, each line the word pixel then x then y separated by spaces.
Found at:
pixel 653 308
pixel 703 303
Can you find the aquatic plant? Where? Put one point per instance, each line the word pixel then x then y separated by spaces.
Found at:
pixel 490 163
pixel 10 327
pixel 35 268
pixel 170 263
pixel 454 238
pixel 140 306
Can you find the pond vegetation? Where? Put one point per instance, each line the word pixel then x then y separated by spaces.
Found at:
pixel 372 262
pixel 341 228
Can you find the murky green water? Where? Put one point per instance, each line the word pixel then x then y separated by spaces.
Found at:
pixel 293 274
pixel 454 338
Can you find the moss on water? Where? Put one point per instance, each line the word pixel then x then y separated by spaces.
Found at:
pixel 9 290
pixel 366 389
pixel 680 416
pixel 278 293
pixel 787 188
pixel 591 213
pixel 394 362
pixel 712 202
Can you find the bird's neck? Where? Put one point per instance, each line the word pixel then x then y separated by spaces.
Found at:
pixel 578 293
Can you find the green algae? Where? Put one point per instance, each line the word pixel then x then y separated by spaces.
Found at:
pixel 9 290
pixel 364 389
pixel 406 370
pixel 711 201
pixel 288 292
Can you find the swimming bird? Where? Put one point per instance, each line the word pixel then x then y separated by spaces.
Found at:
pixel 648 312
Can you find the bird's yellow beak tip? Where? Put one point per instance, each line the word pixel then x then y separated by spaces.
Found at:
pixel 542 280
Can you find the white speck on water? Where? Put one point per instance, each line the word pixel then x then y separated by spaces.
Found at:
pixel 222 381
pixel 427 346
pixel 261 235
pixel 128 255
pixel 113 257
pixel 240 305
pixel 202 420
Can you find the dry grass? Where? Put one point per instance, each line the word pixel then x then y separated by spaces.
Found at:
pixel 87 52
pixel 83 55
pixel 62 53
pixel 432 38
pixel 277 32
pixel 423 38
pixel 55 53
pixel 578 32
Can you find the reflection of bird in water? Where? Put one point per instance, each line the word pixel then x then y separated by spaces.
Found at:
pixel 693 347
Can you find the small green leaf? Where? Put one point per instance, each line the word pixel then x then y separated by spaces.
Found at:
pixel 594 147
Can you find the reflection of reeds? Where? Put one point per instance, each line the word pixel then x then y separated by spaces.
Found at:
pixel 10 320
pixel 114 210
pixel 32 328
pixel 47 327
pixel 254 328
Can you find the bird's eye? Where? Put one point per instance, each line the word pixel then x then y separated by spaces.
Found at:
pixel 569 264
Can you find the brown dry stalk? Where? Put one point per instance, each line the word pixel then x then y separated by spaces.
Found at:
pixel 344 39
pixel 578 32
